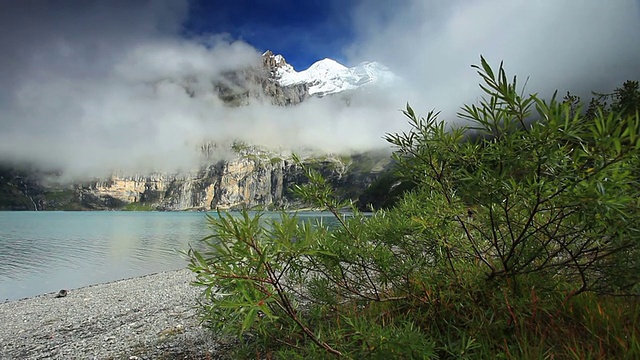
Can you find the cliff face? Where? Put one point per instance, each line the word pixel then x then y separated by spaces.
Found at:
pixel 17 190
pixel 280 95
pixel 225 185
pixel 237 88
pixel 251 179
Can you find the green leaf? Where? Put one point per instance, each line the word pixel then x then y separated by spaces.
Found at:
pixel 486 67
pixel 410 112
pixel 617 145
pixel 249 319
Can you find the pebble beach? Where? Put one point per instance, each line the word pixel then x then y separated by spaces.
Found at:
pixel 148 317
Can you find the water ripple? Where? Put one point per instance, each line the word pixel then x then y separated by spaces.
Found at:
pixel 47 251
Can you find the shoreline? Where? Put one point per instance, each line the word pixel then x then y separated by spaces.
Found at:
pixel 147 317
pixel 109 282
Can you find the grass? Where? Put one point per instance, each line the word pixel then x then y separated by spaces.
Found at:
pixel 275 160
pixel 60 195
pixel 136 206
pixel 593 327
pixel 585 327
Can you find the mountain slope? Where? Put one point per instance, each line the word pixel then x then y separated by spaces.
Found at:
pixel 249 177
pixel 327 76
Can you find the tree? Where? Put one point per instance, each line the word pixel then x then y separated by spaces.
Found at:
pixel 625 101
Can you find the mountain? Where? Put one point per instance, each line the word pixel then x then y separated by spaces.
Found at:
pixel 328 76
pixel 248 177
pixel 277 82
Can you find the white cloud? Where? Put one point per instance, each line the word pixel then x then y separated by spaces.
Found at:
pixel 577 45
pixel 91 87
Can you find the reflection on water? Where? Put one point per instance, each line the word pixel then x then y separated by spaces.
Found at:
pixel 44 252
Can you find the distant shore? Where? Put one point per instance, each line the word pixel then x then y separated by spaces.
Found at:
pixel 147 317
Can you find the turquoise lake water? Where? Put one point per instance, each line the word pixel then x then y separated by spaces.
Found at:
pixel 42 252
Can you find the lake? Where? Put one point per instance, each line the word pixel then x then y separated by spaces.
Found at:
pixel 43 252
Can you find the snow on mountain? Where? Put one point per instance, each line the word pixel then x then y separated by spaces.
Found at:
pixel 327 76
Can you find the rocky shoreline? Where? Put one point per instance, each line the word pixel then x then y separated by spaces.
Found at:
pixel 148 317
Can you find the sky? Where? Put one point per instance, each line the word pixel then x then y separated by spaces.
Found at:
pixel 303 31
pixel 89 87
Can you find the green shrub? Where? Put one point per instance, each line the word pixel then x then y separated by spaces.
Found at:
pixel 136 206
pixel 518 225
pixel 556 197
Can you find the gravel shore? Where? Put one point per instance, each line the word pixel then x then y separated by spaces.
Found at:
pixel 149 317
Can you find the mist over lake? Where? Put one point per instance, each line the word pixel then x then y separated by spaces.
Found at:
pixel 43 252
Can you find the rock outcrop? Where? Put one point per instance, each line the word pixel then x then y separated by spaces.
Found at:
pixel 18 190
pixel 237 88
pixel 228 184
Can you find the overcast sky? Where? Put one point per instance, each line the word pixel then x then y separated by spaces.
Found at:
pixel 92 86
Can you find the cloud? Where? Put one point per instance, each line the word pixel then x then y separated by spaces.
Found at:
pixel 89 87
pixel 576 45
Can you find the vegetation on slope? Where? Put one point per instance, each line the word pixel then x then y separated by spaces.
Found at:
pixel 518 242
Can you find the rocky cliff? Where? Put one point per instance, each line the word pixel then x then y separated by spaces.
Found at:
pixel 18 190
pixel 251 181
pixel 237 88
pixel 232 184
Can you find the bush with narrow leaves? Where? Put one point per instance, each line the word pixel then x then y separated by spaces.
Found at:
pixel 521 229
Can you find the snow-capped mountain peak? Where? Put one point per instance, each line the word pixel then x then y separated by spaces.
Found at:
pixel 328 76
pixel 325 66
